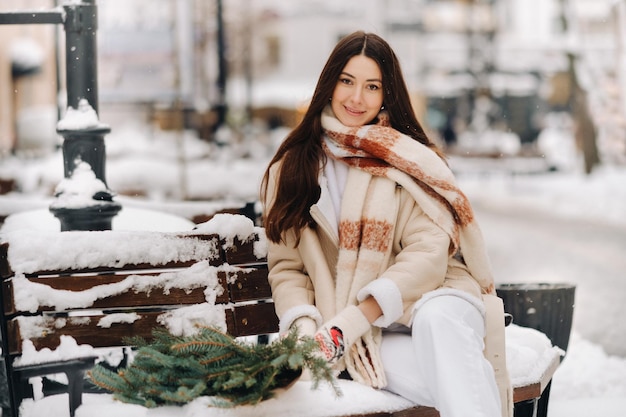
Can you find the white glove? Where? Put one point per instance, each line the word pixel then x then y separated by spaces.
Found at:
pixel 338 334
pixel 306 326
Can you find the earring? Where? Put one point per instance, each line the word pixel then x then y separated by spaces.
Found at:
pixel 382 107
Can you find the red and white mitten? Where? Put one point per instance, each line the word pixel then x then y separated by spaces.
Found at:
pixel 338 334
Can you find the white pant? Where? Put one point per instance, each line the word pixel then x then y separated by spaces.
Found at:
pixel 441 363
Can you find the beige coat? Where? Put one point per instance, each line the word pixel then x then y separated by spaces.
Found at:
pixel 419 262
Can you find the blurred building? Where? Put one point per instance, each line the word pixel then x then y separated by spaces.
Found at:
pixel 473 66
pixel 28 87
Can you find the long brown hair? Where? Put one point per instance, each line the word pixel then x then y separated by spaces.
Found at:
pixel 301 152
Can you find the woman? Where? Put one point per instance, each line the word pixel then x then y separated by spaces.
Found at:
pixel 373 250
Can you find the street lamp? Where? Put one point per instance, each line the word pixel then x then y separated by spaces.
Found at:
pixel 83 143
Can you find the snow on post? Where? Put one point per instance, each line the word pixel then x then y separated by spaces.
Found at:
pixel 84 117
pixel 78 190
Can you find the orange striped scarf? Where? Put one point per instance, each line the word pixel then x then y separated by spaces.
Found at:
pixel 383 151
pixel 367 221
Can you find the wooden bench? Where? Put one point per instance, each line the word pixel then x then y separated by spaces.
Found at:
pixel 120 284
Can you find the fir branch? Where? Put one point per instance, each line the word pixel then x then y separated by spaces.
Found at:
pixel 104 378
pixel 176 370
pixel 214 359
pixel 183 394
pixel 198 345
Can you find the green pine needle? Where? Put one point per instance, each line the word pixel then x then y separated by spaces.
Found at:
pixel 173 370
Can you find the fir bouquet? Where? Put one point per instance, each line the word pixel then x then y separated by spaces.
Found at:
pixel 174 370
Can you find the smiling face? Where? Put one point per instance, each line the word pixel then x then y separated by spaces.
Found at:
pixel 358 95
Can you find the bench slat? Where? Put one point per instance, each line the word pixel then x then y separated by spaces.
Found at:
pixel 244 320
pixel 129 299
pixel 217 256
pixel 253 319
pixel 241 253
pixel 248 285
pixel 104 270
pixel 244 285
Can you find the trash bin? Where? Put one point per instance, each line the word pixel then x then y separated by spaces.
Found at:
pixel 547 307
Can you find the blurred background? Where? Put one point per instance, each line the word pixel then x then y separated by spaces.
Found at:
pixel 487 76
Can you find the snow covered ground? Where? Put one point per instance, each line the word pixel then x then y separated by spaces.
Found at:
pixel 589 382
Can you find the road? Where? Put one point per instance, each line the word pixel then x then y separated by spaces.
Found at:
pixel 526 246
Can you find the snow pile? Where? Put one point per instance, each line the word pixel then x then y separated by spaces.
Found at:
pixel 528 353
pixel 84 117
pixel 231 226
pixel 187 321
pixel 78 190
pixel 68 349
pixel 110 319
pixel 301 401
pixel 588 372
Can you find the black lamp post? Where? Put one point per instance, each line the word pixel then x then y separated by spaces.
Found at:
pixel 83 143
